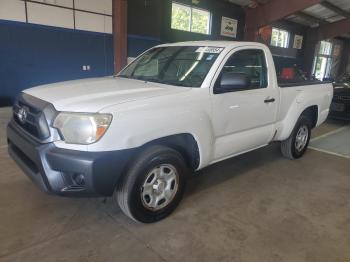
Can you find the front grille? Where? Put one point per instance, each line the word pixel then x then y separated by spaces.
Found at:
pixel 34 122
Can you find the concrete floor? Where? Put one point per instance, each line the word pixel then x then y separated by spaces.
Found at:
pixel 5 114
pixel 337 142
pixel 256 207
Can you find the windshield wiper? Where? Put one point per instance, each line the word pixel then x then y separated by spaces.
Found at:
pixel 122 76
pixel 155 80
pixel 132 77
pixel 175 83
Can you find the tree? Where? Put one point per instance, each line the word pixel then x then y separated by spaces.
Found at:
pixel 200 22
pixel 181 19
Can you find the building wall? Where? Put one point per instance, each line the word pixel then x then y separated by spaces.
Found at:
pixel 48 41
pixel 288 57
pixel 153 18
pixel 32 55
pixel 144 25
pixel 218 9
pixel 150 20
pixel 344 66
pixel 89 15
pixel 293 29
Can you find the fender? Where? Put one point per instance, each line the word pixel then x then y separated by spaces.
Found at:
pixel 140 122
pixel 287 125
pixel 297 100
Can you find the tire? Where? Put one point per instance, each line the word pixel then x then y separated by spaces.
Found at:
pixel 289 147
pixel 142 185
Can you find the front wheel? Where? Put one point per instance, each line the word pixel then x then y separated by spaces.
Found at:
pixel 296 145
pixel 153 186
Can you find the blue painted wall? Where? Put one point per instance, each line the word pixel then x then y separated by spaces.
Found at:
pixel 138 44
pixel 32 55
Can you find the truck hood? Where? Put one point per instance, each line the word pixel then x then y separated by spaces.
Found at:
pixel 92 95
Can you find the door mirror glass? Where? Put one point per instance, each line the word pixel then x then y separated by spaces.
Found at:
pixel 232 82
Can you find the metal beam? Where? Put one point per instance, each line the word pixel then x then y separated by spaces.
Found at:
pixel 311 18
pixel 272 11
pixel 120 13
pixel 335 9
pixel 332 30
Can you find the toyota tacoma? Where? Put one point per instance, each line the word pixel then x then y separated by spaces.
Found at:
pixel 175 109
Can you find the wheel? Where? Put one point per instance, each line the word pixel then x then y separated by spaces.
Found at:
pixel 153 186
pixel 296 145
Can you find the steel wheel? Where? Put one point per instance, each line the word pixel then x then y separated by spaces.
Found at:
pixel 301 138
pixel 296 144
pixel 160 187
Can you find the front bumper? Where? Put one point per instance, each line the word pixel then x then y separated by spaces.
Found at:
pixel 66 172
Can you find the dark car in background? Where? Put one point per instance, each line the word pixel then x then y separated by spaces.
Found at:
pixel 340 107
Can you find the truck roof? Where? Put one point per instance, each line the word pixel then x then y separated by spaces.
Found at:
pixel 224 44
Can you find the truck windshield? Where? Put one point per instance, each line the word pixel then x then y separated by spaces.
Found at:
pixel 174 65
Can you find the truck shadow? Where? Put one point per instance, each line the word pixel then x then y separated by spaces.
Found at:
pixel 255 161
pixel 232 168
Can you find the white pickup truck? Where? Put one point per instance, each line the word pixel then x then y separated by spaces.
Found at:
pixel 177 108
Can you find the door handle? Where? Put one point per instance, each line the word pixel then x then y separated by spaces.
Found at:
pixel 269 100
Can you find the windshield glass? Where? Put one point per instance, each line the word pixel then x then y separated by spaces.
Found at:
pixel 174 65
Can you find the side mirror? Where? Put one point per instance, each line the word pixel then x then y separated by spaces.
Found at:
pixel 232 82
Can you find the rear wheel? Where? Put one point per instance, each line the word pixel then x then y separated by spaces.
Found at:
pixel 153 186
pixel 296 145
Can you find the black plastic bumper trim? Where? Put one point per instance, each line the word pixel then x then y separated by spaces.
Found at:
pixel 52 168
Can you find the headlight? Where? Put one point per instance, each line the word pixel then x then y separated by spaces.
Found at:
pixel 80 128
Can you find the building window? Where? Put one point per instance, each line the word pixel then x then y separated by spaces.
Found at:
pixel 191 19
pixel 325 48
pixel 323 62
pixel 280 38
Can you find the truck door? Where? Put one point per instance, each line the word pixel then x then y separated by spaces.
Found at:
pixel 244 117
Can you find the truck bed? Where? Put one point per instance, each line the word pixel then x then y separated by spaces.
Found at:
pixel 294 100
pixel 293 83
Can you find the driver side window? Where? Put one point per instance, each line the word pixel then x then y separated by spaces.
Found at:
pixel 250 63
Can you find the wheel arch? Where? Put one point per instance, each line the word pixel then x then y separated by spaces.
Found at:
pixel 184 143
pixel 287 125
pixel 312 113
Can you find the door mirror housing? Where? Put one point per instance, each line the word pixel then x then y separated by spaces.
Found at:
pixel 230 82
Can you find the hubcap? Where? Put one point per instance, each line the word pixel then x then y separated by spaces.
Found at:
pixel 159 187
pixel 301 138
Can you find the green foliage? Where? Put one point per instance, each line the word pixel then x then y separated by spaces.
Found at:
pixel 200 22
pixel 279 38
pixel 274 39
pixel 181 19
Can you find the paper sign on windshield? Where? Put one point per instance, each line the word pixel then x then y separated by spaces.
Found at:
pixel 209 50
